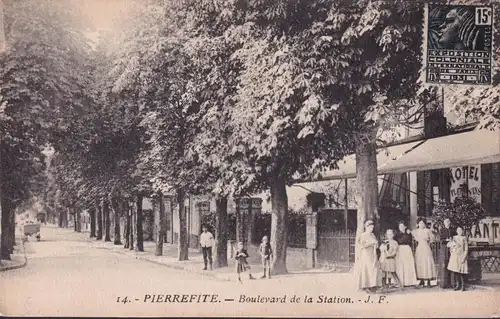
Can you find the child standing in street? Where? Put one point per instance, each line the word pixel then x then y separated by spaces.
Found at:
pixel 241 262
pixel 266 253
pixel 458 258
pixel 388 252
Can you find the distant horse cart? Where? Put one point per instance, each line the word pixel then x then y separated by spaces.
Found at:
pixel 41 217
pixel 30 230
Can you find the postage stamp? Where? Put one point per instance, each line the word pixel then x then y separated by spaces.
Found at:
pixel 458 44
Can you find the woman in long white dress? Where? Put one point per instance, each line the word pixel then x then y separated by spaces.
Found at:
pixel 366 268
pixel 424 261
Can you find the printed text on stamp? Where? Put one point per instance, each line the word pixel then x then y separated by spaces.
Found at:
pixel 459 44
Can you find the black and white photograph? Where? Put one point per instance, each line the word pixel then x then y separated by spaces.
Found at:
pixel 250 158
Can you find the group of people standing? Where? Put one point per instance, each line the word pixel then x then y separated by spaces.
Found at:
pixel 394 259
pixel 241 255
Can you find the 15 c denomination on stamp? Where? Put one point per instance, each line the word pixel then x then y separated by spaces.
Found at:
pixel 458 44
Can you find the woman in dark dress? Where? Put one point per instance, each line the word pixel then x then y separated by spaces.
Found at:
pixel 405 263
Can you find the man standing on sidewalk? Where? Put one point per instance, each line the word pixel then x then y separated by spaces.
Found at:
pixel 445 235
pixel 206 242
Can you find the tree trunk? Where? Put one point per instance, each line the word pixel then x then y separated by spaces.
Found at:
pixel 221 233
pixel 117 207
pixel 159 213
pixel 8 229
pixel 78 221
pixel 163 208
pixel 107 220
pixel 64 218
pixel 139 233
pixel 366 184
pixel 126 235
pixel 12 226
pixel 60 222
pixel 126 230
pixel 171 219
pixel 92 216
pixel 279 220
pixel 183 247
pixel 132 226
pixel 99 222
pixel 74 218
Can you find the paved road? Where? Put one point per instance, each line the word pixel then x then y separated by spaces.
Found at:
pixel 67 277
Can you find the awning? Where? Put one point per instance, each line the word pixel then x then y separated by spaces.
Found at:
pixel 347 166
pixel 470 148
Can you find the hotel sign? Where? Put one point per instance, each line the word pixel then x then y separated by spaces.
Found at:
pixel 466 178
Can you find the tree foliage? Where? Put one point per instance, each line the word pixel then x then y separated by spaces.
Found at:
pixel 465 212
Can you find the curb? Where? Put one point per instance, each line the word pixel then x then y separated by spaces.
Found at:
pixel 207 274
pixel 180 267
pixel 481 287
pixel 17 266
pixel 177 267
pixel 225 279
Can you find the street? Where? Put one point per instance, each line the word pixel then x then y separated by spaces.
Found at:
pixel 66 276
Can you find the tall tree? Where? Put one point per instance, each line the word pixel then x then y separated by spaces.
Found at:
pixel 163 87
pixel 99 222
pixel 318 80
pixel 92 217
pixel 41 78
pixel 128 223
pixel 221 235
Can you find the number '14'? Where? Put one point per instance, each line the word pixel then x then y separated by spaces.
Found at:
pixel 120 299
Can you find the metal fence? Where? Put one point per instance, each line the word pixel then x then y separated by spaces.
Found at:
pixel 337 247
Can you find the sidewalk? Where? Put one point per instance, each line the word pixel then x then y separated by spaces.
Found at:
pixel 195 263
pixel 489 281
pixel 18 258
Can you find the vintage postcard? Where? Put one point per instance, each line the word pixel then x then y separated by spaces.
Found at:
pixel 249 158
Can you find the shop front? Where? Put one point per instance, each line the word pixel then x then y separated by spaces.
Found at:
pixel 417 175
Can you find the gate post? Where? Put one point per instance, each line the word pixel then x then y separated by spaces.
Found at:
pixel 311 239
pixel 315 201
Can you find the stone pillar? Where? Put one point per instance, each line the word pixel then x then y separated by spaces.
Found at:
pixel 315 201
pixel 240 231
pixel 255 209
